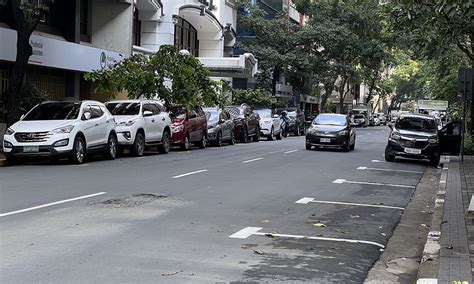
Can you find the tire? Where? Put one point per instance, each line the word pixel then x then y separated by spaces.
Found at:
pixel 347 148
pixel 353 145
pixel 278 137
pixel 218 142
pixel 78 151
pixel 164 148
pixel 271 137
pixel 186 144
pixel 111 148
pixel 202 144
pixel 435 161
pixel 232 139
pixel 138 147
pixel 244 135
pixel 256 138
pixel 389 157
pixel 308 146
pixel 285 131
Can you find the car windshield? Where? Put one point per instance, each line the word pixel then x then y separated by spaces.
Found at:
pixel 336 120
pixel 124 108
pixel 263 113
pixel 358 116
pixel 54 111
pixel 291 114
pixel 177 112
pixel 416 124
pixel 212 116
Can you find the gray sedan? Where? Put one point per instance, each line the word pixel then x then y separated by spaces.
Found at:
pixel 220 126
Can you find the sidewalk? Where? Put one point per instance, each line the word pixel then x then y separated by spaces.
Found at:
pixel 451 236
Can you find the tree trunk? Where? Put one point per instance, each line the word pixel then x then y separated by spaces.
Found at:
pixel 342 95
pixel 371 89
pixel 24 51
pixel 275 76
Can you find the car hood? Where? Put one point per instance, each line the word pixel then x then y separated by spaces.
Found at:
pixel 269 119
pixel 39 125
pixel 124 118
pixel 328 128
pixel 415 134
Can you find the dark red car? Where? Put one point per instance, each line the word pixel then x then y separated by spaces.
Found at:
pixel 188 126
pixel 246 123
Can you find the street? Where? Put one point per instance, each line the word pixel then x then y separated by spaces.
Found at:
pixel 238 213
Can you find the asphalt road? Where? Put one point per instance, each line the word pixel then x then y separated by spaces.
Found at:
pixel 225 214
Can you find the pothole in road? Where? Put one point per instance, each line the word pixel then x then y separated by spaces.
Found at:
pixel 128 201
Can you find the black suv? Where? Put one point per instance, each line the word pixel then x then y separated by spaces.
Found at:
pixel 417 136
pixel 246 123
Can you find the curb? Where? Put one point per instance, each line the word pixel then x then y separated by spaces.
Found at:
pixel 3 163
pixel 428 269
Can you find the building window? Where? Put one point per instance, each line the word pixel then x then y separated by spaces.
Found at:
pixel 185 37
pixel 137 28
pixel 85 20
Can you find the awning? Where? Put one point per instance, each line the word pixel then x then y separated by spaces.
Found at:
pixel 244 66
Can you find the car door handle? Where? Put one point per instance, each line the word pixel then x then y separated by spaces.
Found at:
pixel 96 125
pixel 153 120
pixel 163 119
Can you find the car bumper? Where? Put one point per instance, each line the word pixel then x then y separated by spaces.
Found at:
pixel 43 151
pixel 178 138
pixel 125 138
pixel 212 135
pixel 320 141
pixel 429 152
pixel 265 131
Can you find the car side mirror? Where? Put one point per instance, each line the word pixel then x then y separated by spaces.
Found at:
pixel 390 125
pixel 147 113
pixel 86 116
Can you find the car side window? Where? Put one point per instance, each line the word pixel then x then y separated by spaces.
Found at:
pixel 192 114
pixel 87 109
pixel 222 116
pixel 151 107
pixel 160 107
pixel 96 112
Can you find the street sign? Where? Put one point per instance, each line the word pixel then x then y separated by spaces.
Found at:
pixel 466 82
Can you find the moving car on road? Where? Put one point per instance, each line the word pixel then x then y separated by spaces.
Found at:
pixel 220 126
pixel 188 126
pixel 416 136
pixel 332 131
pixel 359 120
pixel 140 124
pixel 270 125
pixel 246 123
pixel 62 129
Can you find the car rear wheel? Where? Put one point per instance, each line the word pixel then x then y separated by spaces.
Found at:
pixel 232 139
pixel 244 135
pixel 202 144
pixel 256 138
pixel 138 147
pixel 111 148
pixel 278 137
pixel 389 157
pixel 271 137
pixel 435 161
pixel 164 148
pixel 185 145
pixel 78 151
pixel 218 142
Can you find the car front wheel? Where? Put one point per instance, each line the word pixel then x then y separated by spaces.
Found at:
pixel 308 146
pixel 138 147
pixel 389 157
pixel 78 151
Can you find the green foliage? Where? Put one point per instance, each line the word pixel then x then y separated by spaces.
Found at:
pixel 253 97
pixel 468 144
pixel 30 96
pixel 172 77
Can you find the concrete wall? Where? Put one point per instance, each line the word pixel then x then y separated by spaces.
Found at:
pixel 112 26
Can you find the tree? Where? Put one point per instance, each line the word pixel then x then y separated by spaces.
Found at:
pixel 404 81
pixel 252 97
pixel 27 14
pixel 167 74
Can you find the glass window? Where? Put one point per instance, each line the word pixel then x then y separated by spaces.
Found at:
pixel 264 113
pixel 123 108
pixel 416 124
pixel 185 37
pixel 54 111
pixel 330 119
pixel 151 107
pixel 96 112
pixel 177 112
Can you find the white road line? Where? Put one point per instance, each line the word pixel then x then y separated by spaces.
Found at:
pixel 190 173
pixel 51 204
pixel 375 161
pixel 249 231
pixel 291 151
pixel 389 170
pixel 340 181
pixel 306 200
pixel 253 160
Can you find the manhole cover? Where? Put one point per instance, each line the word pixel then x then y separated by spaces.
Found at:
pixel 128 201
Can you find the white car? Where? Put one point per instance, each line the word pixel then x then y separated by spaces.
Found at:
pixel 270 125
pixel 62 129
pixel 140 124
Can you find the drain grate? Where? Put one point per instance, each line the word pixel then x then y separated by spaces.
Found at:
pixel 128 201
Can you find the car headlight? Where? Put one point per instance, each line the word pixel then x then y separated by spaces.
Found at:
pixel 343 132
pixel 311 130
pixel 9 131
pixel 395 136
pixel 126 123
pixel 433 140
pixel 178 128
pixel 64 129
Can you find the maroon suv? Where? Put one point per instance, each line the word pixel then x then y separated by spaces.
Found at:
pixel 246 123
pixel 188 126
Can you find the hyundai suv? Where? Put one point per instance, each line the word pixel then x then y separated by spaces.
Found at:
pixel 62 129
pixel 416 136
pixel 140 124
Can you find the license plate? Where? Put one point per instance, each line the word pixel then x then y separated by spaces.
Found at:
pixel 325 140
pixel 30 149
pixel 412 151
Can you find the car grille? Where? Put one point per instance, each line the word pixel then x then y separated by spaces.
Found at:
pixel 32 136
pixel 413 144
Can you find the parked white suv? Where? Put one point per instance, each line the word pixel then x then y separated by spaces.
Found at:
pixel 141 123
pixel 62 129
